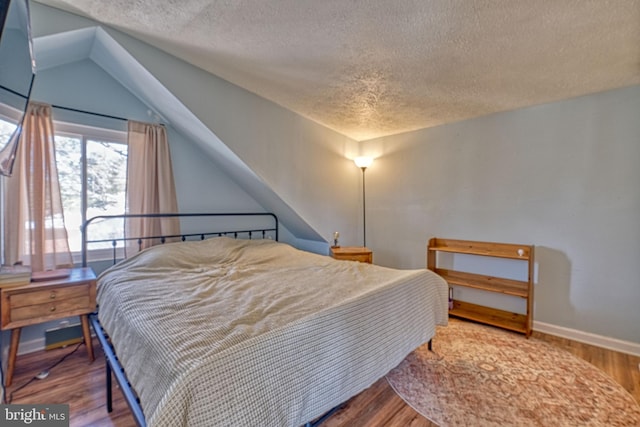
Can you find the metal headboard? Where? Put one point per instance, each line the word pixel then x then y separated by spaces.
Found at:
pixel 260 232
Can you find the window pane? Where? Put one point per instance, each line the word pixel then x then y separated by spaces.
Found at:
pixel 69 162
pixel 6 130
pixel 106 187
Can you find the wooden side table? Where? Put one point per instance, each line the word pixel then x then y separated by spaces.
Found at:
pixel 352 253
pixel 42 301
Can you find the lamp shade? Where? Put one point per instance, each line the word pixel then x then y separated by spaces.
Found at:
pixel 363 162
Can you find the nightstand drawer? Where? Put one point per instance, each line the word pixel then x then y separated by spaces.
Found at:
pixel 352 253
pixel 48 295
pixel 55 309
pixel 355 257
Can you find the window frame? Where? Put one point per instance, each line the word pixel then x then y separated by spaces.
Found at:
pixel 9 113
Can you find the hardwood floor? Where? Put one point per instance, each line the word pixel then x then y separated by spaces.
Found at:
pixel 623 368
pixel 81 384
pixel 74 381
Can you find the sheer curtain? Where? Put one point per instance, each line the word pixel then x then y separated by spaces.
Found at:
pixel 150 185
pixel 34 224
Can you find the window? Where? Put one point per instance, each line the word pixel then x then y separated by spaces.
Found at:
pixel 92 170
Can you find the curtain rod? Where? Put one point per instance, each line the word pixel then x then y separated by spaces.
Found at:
pixel 13 92
pixel 108 116
pixel 75 110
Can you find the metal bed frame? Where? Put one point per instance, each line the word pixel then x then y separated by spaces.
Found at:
pixel 260 232
pixel 112 364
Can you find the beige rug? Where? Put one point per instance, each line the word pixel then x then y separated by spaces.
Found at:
pixel 484 376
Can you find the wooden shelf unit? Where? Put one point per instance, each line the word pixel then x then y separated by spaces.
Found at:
pixel 519 288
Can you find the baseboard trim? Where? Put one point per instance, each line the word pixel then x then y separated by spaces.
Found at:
pixel 31 346
pixel 588 338
pixel 34 345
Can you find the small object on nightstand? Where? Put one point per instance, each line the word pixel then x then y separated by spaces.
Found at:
pixel 43 276
pixel 335 239
pixel 353 253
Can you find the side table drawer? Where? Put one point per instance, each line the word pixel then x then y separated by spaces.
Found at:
pixel 48 295
pixel 53 309
pixel 352 253
pixel 355 257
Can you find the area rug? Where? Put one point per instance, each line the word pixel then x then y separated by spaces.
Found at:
pixel 478 375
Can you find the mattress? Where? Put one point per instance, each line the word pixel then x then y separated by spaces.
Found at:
pixel 226 332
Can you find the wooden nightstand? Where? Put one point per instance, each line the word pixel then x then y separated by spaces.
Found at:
pixel 352 253
pixel 38 302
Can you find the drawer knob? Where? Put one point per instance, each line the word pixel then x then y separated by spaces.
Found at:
pixel 52 295
pixel 52 308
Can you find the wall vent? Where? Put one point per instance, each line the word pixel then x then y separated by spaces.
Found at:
pixel 62 336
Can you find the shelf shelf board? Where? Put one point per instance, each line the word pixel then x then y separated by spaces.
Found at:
pixel 491 316
pixel 500 250
pixel 486 283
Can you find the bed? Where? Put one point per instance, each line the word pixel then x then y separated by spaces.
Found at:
pixel 229 331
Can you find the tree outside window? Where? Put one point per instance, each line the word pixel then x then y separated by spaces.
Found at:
pixel 101 192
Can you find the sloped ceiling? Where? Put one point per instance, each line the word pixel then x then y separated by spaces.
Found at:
pixel 97 45
pixel 378 67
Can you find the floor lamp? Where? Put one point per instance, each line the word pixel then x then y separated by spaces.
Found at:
pixel 363 163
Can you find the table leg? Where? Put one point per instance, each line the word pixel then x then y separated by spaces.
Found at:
pixel 13 353
pixel 86 333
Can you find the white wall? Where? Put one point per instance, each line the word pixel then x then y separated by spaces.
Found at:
pixel 563 176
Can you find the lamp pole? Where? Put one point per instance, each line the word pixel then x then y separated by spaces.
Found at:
pixel 364 210
pixel 363 163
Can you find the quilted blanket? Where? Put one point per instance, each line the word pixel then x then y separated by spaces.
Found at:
pixel 226 332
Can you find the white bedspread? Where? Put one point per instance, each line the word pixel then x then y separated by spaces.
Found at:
pixel 257 333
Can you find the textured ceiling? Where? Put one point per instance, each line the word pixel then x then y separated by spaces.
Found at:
pixel 369 68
